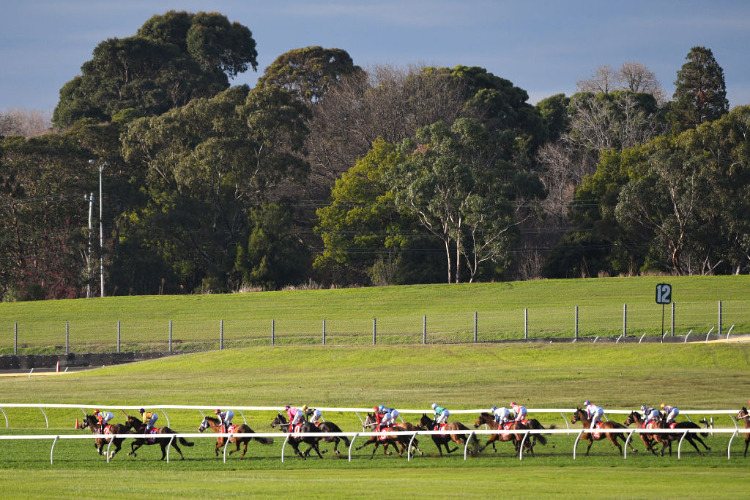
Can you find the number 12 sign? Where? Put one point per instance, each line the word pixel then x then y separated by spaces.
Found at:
pixel 663 293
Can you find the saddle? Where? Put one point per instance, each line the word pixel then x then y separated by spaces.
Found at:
pixel 154 430
pixel 673 425
pixel 107 429
pixel 296 428
pixel 383 431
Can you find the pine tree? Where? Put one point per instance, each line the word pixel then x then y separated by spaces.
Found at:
pixel 701 94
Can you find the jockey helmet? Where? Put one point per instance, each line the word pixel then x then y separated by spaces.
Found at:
pixel 434 405
pixel 586 403
pixel 663 405
pixel 317 413
pixel 141 411
pixel 304 408
pixel 381 408
pixel 644 407
pixel 512 404
pixel 96 412
pixel 217 411
pixel 287 407
pixel 493 409
pixel 375 409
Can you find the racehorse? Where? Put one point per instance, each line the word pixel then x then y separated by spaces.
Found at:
pixel 746 418
pixel 92 423
pixel 139 427
pixel 371 421
pixel 517 438
pixel 690 437
pixel 662 438
pixel 236 429
pixel 331 427
pixel 445 439
pixel 312 442
pixel 599 432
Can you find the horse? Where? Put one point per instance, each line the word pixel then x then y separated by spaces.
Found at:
pixel 139 427
pixel 331 427
pixel 92 423
pixel 508 435
pixel 400 442
pixel 215 424
pixel 746 418
pixel 445 439
pixel 599 432
pixel 690 436
pixel 305 427
pixel 662 438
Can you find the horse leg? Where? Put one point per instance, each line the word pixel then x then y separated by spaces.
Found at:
pixel 691 441
pixel 373 449
pixel 133 447
pixel 747 442
pixel 591 441
pixel 244 448
pixel 698 438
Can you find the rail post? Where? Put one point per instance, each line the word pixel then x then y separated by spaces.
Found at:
pixel 673 313
pixel 221 334
pixel 624 320
pixel 526 324
pixel 719 318
pixel 67 337
pixel 324 331
pixel 468 441
pixel 52 451
pixel 118 336
pixel 15 337
pixel 576 330
pixel 575 445
pixel 169 445
pixel 424 329
pixel 351 445
pixel 170 335
pixel 374 331
pixel 625 447
pixel 411 441
pixel 523 441
pixel 273 332
pixel 476 321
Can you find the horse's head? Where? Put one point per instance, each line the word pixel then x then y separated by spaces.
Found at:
pixel 204 425
pixel 425 420
pixel 742 414
pixel 370 420
pixel 483 418
pixel 133 422
pixel 278 421
pixel 633 418
pixel 577 415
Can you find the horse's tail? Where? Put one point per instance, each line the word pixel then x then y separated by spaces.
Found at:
pixel 185 442
pixel 263 440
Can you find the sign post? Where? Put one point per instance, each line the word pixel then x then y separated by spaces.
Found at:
pixel 663 297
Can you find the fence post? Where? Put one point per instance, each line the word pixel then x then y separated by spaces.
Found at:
pixel 719 318
pixel 475 326
pixel 67 337
pixel 170 335
pixel 424 329
pixel 118 336
pixel 273 332
pixel 374 331
pixel 673 310
pixel 324 331
pixel 624 320
pixel 15 341
pixel 576 322
pixel 526 324
pixel 221 334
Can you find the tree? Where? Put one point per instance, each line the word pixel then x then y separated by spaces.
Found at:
pixel 632 76
pixel 700 95
pixel 173 59
pixel 308 73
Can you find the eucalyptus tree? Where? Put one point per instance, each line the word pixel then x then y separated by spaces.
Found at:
pixel 172 59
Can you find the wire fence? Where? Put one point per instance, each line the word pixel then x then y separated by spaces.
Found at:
pixel 674 323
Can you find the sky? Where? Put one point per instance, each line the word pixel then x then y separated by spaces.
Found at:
pixel 544 47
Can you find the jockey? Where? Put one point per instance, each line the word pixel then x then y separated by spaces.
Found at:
pixel 502 415
pixel 671 412
pixel 316 415
pixel 389 419
pixel 225 417
pixel 385 422
pixel 649 414
pixel 296 415
pixel 149 418
pixel 103 417
pixel 595 413
pixel 519 411
pixel 441 414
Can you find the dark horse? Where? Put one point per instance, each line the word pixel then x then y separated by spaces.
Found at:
pixel 306 427
pixel 92 423
pixel 690 436
pixel 649 439
pixel 746 418
pixel 445 439
pixel 139 427
pixel 331 427
pixel 236 429
pixel 400 442
pixel 507 434
pixel 599 432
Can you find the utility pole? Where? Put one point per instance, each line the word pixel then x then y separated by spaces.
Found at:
pixel 90 199
pixel 102 164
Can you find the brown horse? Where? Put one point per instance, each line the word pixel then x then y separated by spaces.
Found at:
pixel 506 433
pixel 386 438
pixel 139 427
pixel 445 439
pixel 649 439
pixel 92 423
pixel 236 429
pixel 746 418
pixel 600 432
pixel 312 442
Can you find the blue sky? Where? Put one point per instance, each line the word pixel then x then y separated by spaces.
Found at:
pixel 544 47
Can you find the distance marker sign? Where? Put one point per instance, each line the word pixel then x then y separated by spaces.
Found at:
pixel 663 293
